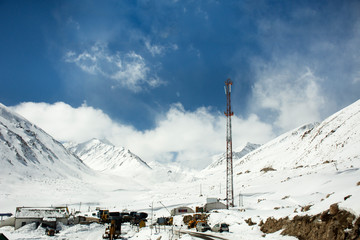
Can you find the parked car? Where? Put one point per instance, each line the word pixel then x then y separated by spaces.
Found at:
pixel 220 227
pixel 202 227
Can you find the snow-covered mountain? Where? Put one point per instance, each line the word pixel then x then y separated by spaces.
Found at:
pixel 102 155
pixel 37 170
pixel 28 152
pixel 336 141
pixel 315 164
pixel 221 159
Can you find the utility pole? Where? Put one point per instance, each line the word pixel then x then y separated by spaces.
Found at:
pixel 241 200
pixel 152 215
pixel 229 162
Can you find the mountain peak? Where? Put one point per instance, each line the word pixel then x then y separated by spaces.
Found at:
pixel 100 141
pixel 248 147
pixel 102 155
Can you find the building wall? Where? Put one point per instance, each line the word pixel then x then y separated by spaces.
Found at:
pixel 19 222
pixel 215 205
pixel 8 222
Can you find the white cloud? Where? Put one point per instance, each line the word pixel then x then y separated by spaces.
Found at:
pixel 312 69
pixel 128 70
pixel 66 123
pixel 159 49
pixel 154 49
pixel 290 92
pixel 184 137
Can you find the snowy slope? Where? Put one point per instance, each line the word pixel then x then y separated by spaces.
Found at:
pixel 316 164
pixel 29 152
pixel 102 155
pixel 336 140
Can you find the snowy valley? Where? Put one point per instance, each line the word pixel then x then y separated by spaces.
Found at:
pixel 302 172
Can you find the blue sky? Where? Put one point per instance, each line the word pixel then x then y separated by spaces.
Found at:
pixel 151 68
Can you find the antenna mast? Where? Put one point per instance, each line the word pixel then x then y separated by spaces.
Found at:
pixel 229 162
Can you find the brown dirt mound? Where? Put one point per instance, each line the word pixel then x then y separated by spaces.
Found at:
pixel 332 224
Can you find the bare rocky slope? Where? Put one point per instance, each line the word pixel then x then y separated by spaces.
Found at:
pixel 332 224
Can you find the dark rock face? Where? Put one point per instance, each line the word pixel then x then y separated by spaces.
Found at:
pixel 273 225
pixel 332 224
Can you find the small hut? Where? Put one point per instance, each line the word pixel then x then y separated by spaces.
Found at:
pixel 181 210
pixel 46 216
pixel 214 205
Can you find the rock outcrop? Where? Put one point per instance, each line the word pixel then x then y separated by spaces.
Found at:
pixel 334 224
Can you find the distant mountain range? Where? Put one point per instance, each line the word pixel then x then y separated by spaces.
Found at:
pixel 25 148
pixel 102 155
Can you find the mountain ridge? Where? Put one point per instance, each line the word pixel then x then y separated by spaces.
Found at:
pixel 331 140
pixel 102 155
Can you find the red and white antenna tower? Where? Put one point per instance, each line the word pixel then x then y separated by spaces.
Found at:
pixel 229 162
